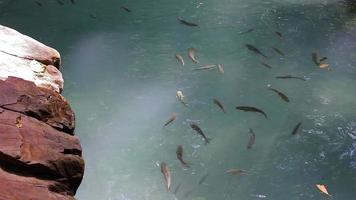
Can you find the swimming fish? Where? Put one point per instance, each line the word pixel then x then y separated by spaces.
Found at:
pixel 191 55
pixel 248 31
pixel 251 109
pixel 205 67
pixel 179 59
pixel 296 128
pixel 182 21
pixel 167 174
pixel 221 68
pixel 171 119
pixel 92 16
pixel 280 94
pixel 60 2
pixel 72 1
pixel 198 130
pixel 254 49
pixel 290 77
pixel 323 189
pixel 126 9
pixel 219 104
pixel 278 51
pixel 279 34
pixel 266 65
pixel 179 154
pixel 252 140
pixel 180 97
pixel 236 171
pixel 38 3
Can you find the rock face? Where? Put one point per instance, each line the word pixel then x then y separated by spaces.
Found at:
pixel 40 158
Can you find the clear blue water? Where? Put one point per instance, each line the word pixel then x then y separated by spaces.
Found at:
pixel 121 78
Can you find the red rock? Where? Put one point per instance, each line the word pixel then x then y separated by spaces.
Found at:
pixel 38 150
pixel 43 104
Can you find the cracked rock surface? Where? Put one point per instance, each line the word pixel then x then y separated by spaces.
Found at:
pixel 40 157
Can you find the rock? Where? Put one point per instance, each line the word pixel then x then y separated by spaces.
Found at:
pixel 23 57
pixel 41 103
pixel 40 158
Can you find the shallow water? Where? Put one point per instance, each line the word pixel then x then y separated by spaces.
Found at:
pixel 121 78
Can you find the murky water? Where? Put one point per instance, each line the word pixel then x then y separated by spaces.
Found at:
pixel 121 78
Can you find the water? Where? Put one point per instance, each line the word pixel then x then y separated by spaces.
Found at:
pixel 121 78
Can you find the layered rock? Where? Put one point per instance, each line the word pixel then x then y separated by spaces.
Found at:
pixel 40 158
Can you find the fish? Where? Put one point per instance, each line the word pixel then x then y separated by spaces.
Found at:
pixel 201 181
pixel 72 1
pixel 60 2
pixel 323 189
pixel 252 139
pixel 126 9
pixel 324 66
pixel 205 67
pixel 171 119
pixel 266 65
pixel 19 122
pixel 182 21
pixel 279 34
pixel 296 128
pixel 254 49
pixel 191 55
pixel 236 171
pixel 219 104
pixel 38 3
pixel 179 153
pixel 167 174
pixel 290 77
pixel 92 16
pixel 180 59
pixel 221 69
pixel 198 130
pixel 251 109
pixel 278 51
pixel 247 31
pixel 280 94
pixel 180 97
pixel 315 58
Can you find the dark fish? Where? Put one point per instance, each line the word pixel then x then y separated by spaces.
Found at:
pixel 290 77
pixel 236 171
pixel 167 174
pixel 182 21
pixel 38 3
pixel 315 58
pixel 252 140
pixel 201 181
pixel 266 65
pixel 248 31
pixel 126 9
pixel 92 16
pixel 254 49
pixel 278 51
pixel 296 128
pixel 72 1
pixel 280 94
pixel 219 104
pixel 279 34
pixel 171 119
pixel 251 109
pixel 60 2
pixel 323 58
pixel 179 154
pixel 196 128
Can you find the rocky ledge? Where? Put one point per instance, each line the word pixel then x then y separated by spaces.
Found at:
pixel 40 157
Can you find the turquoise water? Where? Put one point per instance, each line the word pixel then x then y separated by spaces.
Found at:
pixel 121 78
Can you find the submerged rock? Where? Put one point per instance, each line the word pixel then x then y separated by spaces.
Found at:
pixel 40 158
